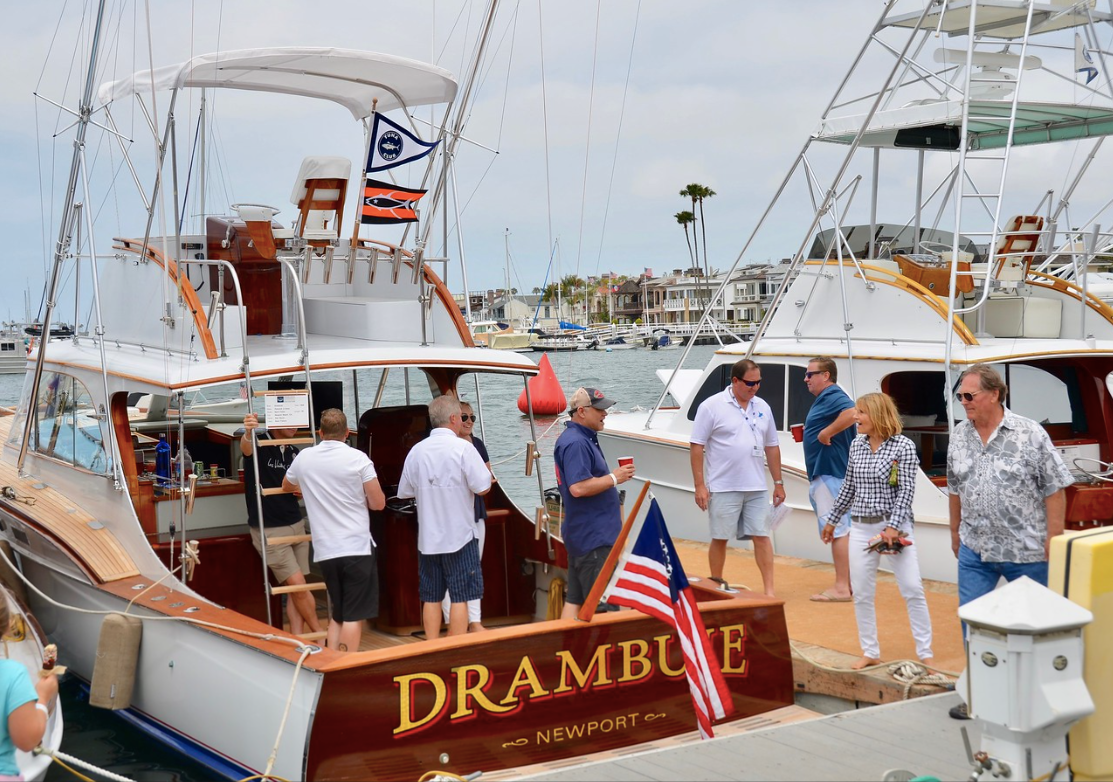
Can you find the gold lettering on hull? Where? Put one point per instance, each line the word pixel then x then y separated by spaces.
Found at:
pixel 425 698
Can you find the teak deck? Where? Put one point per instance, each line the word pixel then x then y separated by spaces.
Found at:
pixel 96 549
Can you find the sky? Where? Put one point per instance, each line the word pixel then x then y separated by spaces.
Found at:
pixel 638 99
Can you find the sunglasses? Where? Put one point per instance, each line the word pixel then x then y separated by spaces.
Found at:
pixel 808 375
pixel 466 418
pixel 750 383
pixel 966 396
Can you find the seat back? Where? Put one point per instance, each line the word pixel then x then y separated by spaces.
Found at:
pixel 1016 247
pixel 319 192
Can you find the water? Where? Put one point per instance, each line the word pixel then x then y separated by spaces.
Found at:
pixel 626 376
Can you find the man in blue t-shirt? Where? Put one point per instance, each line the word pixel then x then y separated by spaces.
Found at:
pixel 828 433
pixel 588 494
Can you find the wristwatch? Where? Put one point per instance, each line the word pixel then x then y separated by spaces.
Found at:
pixel 778 483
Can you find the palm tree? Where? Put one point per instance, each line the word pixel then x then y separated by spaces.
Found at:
pixel 692 191
pixel 686 218
pixel 697 193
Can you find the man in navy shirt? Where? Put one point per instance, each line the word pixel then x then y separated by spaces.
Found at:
pixel 828 433
pixel 589 495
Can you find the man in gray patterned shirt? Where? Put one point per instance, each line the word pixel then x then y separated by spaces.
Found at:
pixel 1006 484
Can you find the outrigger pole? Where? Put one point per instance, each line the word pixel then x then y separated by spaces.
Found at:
pixel 65 230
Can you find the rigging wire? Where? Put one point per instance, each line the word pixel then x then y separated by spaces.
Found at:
pixel 587 140
pixel 618 136
pixel 545 124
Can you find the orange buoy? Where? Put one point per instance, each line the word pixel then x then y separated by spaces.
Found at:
pixel 544 391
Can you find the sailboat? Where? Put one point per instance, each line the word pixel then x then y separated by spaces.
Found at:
pixel 981 268
pixel 161 571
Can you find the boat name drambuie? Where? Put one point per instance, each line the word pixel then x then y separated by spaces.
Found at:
pixel 471 689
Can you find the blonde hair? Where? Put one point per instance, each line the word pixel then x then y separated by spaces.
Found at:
pixel 883 414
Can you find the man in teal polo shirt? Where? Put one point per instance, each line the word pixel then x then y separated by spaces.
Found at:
pixel 828 433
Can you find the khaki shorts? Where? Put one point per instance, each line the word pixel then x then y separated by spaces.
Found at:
pixel 285 559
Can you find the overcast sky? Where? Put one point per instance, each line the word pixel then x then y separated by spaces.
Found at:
pixel 723 93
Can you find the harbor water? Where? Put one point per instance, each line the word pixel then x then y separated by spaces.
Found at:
pixel 627 376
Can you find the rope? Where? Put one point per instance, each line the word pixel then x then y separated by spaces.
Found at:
pixel 430 776
pixel 916 673
pixel 62 759
pixel 285 714
pixel 295 642
pixel 558 419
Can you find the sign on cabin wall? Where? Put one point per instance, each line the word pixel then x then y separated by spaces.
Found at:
pixel 287 410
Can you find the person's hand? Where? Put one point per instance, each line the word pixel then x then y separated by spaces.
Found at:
pixel 955 543
pixel 702 495
pixel 828 533
pixel 823 437
pixel 250 421
pixel 47 689
pixel 624 473
pixel 890 534
pixel 778 495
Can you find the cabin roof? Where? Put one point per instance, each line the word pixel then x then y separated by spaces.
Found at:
pixel 354 79
pixel 152 369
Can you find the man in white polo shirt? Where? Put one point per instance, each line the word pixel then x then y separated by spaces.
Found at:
pixel 339 484
pixel 445 473
pixel 734 434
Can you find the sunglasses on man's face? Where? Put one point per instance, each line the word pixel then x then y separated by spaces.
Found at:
pixel 810 374
pixel 750 383
pixel 966 396
pixel 466 418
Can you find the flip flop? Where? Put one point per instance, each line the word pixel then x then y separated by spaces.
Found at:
pixel 823 597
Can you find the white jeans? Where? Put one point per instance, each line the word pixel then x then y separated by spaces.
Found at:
pixel 863 582
pixel 474 614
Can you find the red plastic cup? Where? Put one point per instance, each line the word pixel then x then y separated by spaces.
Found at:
pixel 625 460
pixel 797 432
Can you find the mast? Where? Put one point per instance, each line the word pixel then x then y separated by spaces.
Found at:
pixel 65 228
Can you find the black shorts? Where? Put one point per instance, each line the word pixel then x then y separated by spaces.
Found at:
pixel 353 586
pixel 459 572
pixel 582 572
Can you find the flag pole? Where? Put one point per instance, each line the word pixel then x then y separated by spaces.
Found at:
pixel 587 610
pixel 363 183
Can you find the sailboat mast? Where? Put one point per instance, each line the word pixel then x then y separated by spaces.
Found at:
pixel 65 226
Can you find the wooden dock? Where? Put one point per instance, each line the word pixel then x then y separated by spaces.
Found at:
pixel 917 735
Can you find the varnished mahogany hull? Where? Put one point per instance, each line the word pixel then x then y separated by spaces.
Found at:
pixel 364 727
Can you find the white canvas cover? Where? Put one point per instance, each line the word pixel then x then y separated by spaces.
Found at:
pixel 354 79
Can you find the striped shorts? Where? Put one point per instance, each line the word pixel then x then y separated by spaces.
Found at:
pixel 459 572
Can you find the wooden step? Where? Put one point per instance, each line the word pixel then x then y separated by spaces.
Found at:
pixel 305 440
pixel 276 490
pixel 314 586
pixel 282 540
pixel 317 636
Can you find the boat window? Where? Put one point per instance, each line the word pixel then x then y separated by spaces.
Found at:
pixel 773 390
pixel 799 397
pixel 68 425
pixel 715 382
pixel 1044 397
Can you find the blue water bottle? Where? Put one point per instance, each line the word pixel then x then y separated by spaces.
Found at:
pixel 162 461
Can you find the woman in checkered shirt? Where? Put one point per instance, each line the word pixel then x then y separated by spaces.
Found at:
pixel 880 480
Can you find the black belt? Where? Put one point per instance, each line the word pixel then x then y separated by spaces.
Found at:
pixel 867 519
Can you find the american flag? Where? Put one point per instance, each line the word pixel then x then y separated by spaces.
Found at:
pixel 649 578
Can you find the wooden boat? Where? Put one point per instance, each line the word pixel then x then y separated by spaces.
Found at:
pixel 903 314
pixel 214 672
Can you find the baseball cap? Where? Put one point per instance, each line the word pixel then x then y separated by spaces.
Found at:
pixel 588 397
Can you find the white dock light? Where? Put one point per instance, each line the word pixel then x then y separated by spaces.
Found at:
pixel 1023 677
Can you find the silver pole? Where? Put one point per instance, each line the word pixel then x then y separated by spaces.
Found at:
pixel 65 227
